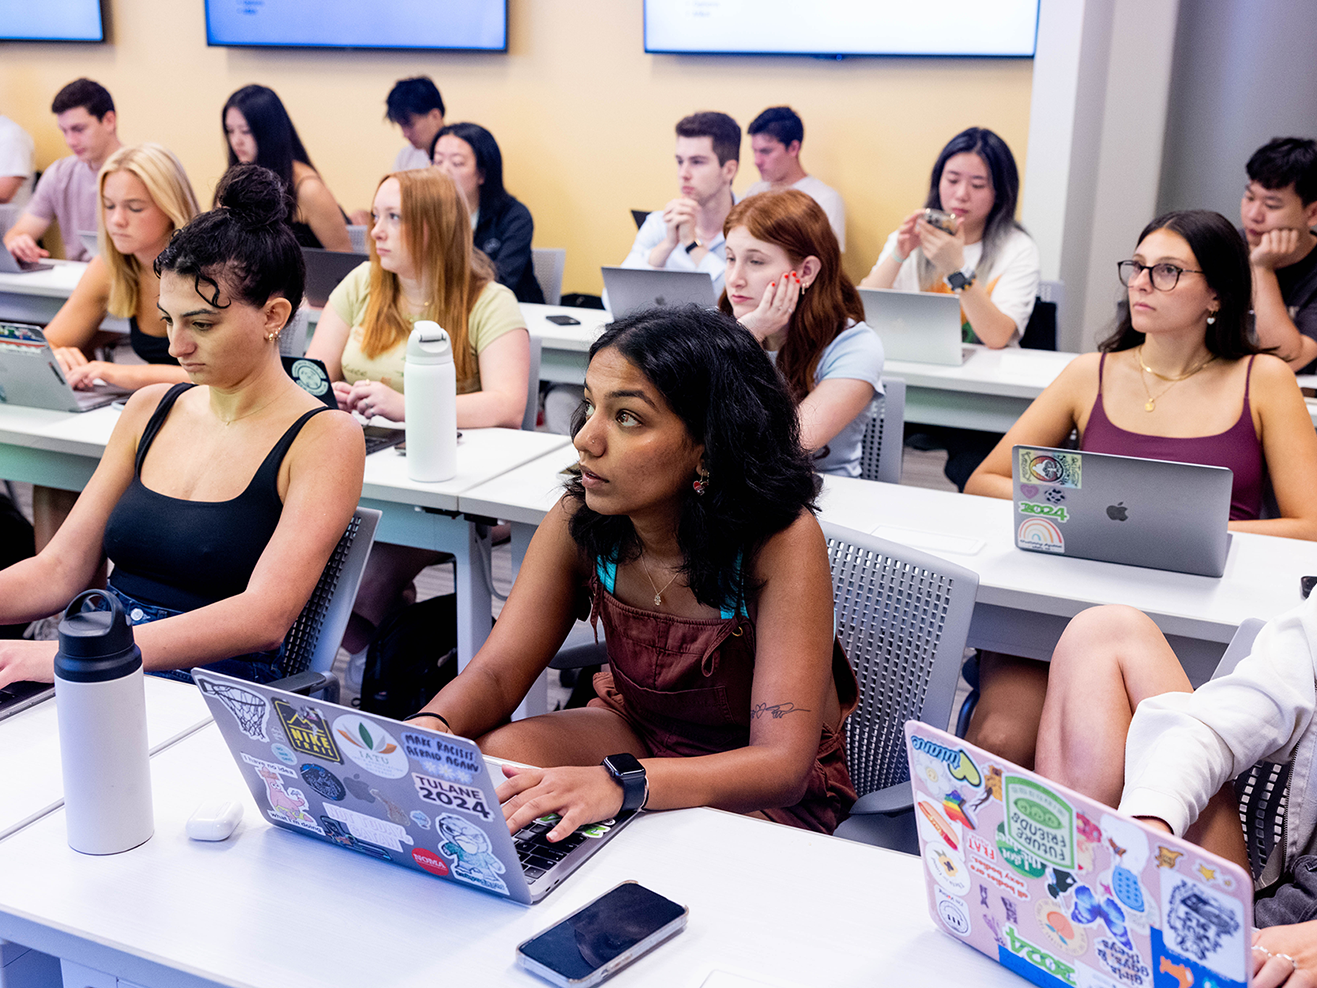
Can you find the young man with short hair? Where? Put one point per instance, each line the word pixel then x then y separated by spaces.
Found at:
pixel 1278 212
pixel 687 233
pixel 417 108
pixel 67 191
pixel 775 137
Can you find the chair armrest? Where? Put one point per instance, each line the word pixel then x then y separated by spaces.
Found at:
pixel 309 682
pixel 579 656
pixel 889 802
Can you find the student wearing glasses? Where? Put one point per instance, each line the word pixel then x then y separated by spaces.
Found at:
pixel 1178 379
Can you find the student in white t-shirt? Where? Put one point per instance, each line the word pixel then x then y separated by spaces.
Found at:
pixel 989 261
pixel 775 137
pixel 17 156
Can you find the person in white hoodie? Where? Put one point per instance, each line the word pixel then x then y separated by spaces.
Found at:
pixel 1122 724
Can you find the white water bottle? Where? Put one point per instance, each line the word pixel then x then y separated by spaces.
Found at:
pixel 430 397
pixel 100 701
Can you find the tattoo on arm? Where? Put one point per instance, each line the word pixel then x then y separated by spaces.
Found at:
pixel 777 710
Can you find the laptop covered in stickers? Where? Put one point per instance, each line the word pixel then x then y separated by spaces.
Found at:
pixel 388 789
pixel 1063 890
pixel 1159 514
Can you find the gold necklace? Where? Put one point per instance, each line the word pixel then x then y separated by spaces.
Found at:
pixel 658 594
pixel 1151 404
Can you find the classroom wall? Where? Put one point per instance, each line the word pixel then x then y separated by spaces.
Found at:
pixel 584 117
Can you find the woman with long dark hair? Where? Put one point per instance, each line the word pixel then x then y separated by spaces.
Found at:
pixel 1178 379
pixel 691 532
pixel 219 501
pixel 785 284
pixel 259 131
pixel 982 255
pixel 503 226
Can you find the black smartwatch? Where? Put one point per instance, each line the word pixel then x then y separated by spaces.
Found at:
pixel 693 244
pixel 959 281
pixel 628 773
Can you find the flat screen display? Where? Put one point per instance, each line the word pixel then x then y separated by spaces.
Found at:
pixel 991 28
pixel 51 20
pixel 446 24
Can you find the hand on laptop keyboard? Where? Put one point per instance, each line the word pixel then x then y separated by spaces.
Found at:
pixel 579 794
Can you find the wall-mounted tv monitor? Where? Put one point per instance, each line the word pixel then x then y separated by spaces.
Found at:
pixel 481 25
pixel 975 28
pixel 51 20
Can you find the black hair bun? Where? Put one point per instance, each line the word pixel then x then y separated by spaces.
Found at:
pixel 255 196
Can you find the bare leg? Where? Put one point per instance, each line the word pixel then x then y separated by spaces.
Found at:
pixel 1011 692
pixel 583 736
pixel 1109 660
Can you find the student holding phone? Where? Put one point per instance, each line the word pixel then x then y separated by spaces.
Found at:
pixel 691 535
pixel 1178 379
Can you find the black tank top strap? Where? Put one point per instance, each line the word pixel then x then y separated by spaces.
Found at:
pixel 268 472
pixel 156 421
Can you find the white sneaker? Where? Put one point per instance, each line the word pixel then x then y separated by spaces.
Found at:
pixel 356 671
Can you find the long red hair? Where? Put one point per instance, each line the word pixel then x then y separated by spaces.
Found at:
pixel 796 223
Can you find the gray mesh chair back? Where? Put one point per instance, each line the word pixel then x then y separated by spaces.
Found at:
pixel 548 264
pixel 357 238
pixel 531 417
pixel 902 617
pixel 1263 790
pixel 292 338
pixel 312 641
pixel 880 449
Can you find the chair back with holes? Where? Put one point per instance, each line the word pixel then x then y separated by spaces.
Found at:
pixel 312 642
pixel 548 264
pixel 357 237
pixel 884 436
pixel 902 617
pixel 292 338
pixel 531 417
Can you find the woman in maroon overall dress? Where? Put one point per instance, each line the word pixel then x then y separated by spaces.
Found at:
pixel 691 537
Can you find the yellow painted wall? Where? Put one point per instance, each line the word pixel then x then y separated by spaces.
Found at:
pixel 584 117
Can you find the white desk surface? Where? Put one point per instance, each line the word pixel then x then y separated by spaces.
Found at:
pixel 1261 578
pixel 270 908
pixel 56 282
pixel 1011 371
pixel 482 454
pixel 76 433
pixel 555 337
pixel 30 775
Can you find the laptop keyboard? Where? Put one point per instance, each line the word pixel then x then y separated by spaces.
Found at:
pixel 536 852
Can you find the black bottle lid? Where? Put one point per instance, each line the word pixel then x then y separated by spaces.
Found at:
pixel 95 643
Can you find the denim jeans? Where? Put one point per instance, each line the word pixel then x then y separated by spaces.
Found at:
pixel 257 667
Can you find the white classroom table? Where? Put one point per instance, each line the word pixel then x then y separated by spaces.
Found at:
pixel 61 449
pixel 1024 599
pixel 270 909
pixel 37 295
pixel 30 774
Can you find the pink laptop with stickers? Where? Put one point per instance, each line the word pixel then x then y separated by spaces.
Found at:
pixel 1064 891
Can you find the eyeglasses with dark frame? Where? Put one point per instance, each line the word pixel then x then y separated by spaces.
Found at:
pixel 1164 276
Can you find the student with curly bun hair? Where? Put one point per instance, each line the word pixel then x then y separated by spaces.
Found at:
pixel 691 533
pixel 219 501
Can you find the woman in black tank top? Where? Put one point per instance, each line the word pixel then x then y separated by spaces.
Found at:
pixel 218 500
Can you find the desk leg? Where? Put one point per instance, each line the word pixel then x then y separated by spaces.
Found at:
pixel 474 603
pixel 537 700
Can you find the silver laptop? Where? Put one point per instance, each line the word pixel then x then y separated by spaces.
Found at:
pixel 20 696
pixel 89 242
pixel 9 264
pixel 923 327
pixel 388 789
pixel 1122 509
pixel 1064 891
pixel 325 269
pixel 30 375
pixel 632 289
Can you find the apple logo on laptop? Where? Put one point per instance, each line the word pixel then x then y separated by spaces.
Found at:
pixel 1116 512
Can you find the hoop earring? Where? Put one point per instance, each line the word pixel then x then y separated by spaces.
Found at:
pixel 701 483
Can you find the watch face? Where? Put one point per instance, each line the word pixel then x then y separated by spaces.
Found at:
pixel 624 764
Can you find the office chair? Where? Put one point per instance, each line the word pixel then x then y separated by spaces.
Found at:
pixel 879 459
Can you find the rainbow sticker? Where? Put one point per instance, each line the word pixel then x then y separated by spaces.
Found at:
pixel 1041 535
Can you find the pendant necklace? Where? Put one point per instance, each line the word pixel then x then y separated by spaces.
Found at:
pixel 658 594
pixel 1151 404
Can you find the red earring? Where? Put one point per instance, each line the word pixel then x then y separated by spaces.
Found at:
pixel 701 482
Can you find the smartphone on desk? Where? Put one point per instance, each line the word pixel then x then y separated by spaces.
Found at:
pixel 605 936
pixel 563 320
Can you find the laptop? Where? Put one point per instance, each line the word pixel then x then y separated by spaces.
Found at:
pixel 30 375
pixel 1122 509
pixel 89 242
pixel 1063 890
pixel 325 269
pixel 9 264
pixel 923 327
pixel 387 789
pixel 314 378
pixel 632 289
pixel 20 696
